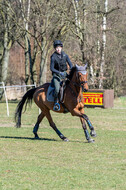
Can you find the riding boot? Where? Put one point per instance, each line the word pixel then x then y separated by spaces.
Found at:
pixel 56 104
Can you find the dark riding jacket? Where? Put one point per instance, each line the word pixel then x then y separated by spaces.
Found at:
pixel 59 62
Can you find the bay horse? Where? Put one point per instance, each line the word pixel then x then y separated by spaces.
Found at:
pixel 72 101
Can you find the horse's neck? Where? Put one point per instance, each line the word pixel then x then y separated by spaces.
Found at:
pixel 75 87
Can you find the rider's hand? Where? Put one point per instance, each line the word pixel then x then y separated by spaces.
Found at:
pixel 62 74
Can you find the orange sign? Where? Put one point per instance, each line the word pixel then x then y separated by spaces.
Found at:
pixel 93 98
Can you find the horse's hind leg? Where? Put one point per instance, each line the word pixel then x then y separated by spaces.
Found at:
pixel 92 133
pixel 36 127
pixel 52 124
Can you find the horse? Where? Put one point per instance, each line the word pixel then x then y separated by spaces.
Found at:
pixel 73 102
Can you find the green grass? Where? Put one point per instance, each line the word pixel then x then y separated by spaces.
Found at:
pixel 49 163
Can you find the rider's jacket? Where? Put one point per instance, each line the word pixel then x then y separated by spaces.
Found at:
pixel 59 62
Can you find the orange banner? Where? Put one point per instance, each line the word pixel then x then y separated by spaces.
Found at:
pixel 93 98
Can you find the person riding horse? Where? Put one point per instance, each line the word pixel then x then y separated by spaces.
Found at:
pixel 58 66
pixel 73 101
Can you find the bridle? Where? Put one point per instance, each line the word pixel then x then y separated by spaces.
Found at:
pixel 78 84
pixel 82 82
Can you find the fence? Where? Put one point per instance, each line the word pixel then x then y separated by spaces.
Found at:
pixel 7 93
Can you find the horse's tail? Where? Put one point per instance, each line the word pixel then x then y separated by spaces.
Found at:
pixel 26 98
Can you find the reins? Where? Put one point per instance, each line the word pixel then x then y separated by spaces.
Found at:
pixel 72 85
pixel 78 84
pixel 75 93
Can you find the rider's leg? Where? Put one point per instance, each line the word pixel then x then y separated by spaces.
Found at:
pixel 56 82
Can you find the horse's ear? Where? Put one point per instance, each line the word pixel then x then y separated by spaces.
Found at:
pixel 77 66
pixel 85 67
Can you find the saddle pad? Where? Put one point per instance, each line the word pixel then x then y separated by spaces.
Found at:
pixel 50 93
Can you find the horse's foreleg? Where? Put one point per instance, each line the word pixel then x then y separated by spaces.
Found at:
pixel 92 133
pixel 52 124
pixel 36 127
pixel 83 117
pixel 86 131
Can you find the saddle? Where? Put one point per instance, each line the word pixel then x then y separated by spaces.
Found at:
pixel 51 89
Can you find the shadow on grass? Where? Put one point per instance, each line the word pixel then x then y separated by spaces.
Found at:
pixel 41 139
pixel 27 138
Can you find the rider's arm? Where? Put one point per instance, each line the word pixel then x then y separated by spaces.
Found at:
pixel 52 66
pixel 69 62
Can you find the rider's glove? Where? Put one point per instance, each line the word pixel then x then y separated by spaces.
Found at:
pixel 62 74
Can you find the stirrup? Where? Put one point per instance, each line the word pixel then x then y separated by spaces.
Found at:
pixel 56 107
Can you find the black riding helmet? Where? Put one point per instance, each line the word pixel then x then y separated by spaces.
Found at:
pixel 57 43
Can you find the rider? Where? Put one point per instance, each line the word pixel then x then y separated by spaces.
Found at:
pixel 58 67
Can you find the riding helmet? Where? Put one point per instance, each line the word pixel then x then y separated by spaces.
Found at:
pixel 57 43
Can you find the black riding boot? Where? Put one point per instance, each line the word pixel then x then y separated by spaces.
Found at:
pixel 56 104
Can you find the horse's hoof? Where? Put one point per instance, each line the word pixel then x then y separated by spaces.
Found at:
pixel 36 136
pixel 93 133
pixel 66 139
pixel 91 140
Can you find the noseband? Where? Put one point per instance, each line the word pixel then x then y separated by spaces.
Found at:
pixel 83 82
pixel 80 84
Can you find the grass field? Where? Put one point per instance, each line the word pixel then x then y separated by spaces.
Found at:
pixel 49 163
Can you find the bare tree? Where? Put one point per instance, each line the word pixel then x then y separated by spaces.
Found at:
pixel 104 27
pixel 25 12
pixel 7 40
pixel 34 24
pixel 50 26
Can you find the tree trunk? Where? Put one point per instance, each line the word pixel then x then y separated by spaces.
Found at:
pixel 27 75
pixel 43 64
pixel 104 25
pixel 5 57
pixel 43 69
pixel 26 19
pixel 32 56
pixel 4 65
pixel 80 27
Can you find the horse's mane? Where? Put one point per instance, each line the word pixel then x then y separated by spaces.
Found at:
pixel 71 74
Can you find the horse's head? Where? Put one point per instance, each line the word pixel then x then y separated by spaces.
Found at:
pixel 81 77
pixel 78 76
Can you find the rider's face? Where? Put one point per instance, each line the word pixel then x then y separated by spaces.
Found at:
pixel 58 49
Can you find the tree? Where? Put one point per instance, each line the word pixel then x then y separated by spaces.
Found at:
pixel 114 71
pixel 50 26
pixel 39 31
pixel 95 30
pixel 7 40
